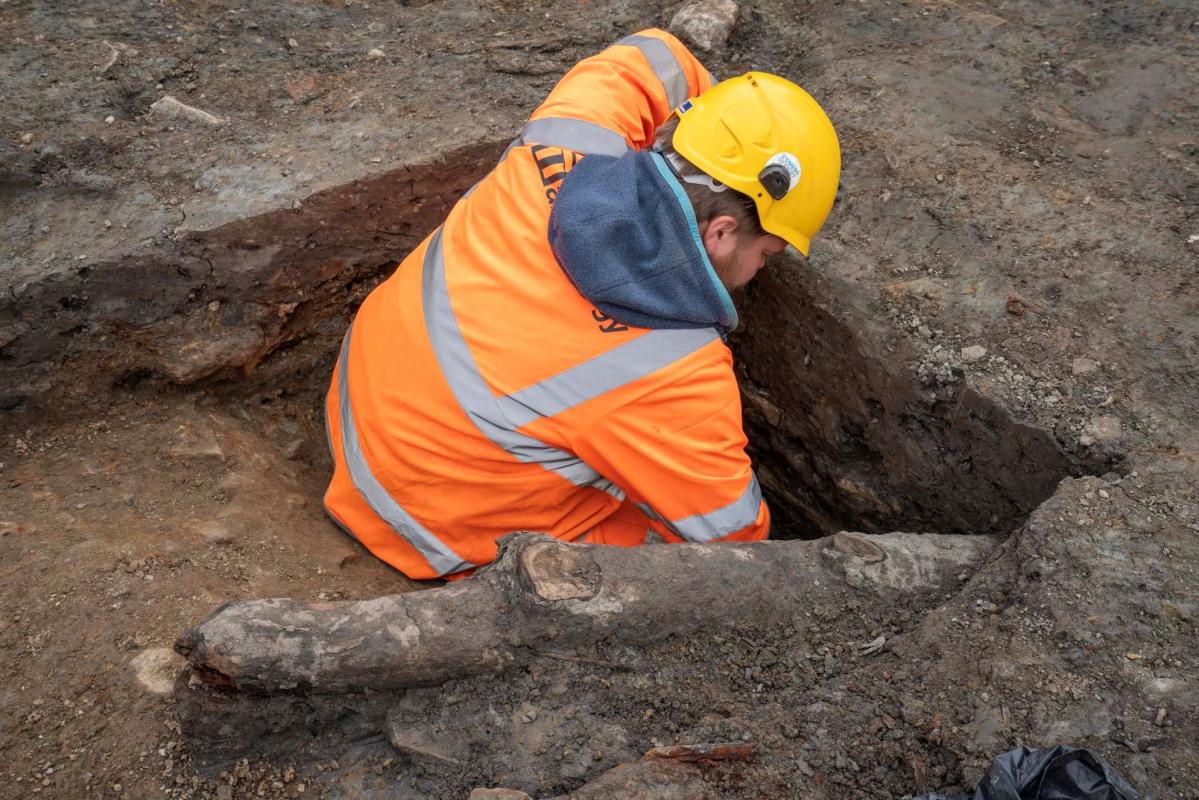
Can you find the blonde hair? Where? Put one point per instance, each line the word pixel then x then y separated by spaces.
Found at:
pixel 709 198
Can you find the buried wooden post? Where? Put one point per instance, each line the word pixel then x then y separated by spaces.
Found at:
pixel 543 592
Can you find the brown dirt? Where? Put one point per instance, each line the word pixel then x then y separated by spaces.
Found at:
pixel 1020 177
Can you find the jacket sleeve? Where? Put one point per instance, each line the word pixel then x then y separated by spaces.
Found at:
pixel 678 453
pixel 616 99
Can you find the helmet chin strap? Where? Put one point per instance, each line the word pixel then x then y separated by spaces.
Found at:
pixel 680 164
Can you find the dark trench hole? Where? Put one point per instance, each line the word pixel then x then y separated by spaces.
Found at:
pixel 845 436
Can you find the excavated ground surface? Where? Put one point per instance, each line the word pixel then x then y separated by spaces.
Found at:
pixel 1019 178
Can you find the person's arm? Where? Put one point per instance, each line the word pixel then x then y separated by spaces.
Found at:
pixel 678 452
pixel 616 100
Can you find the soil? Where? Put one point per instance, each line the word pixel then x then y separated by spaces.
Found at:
pixel 996 334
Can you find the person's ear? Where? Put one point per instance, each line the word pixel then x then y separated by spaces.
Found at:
pixel 719 234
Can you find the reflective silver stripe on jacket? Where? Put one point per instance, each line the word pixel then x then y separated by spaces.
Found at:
pixel 441 558
pixel 664 64
pixel 591 138
pixel 611 370
pixel 741 513
pixel 573 134
pixel 470 389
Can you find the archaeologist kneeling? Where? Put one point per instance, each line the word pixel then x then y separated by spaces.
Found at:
pixel 552 357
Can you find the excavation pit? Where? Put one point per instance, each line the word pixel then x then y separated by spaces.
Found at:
pixel 177 290
pixel 845 434
pixel 845 438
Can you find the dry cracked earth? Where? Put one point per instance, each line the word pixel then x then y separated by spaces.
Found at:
pixel 997 337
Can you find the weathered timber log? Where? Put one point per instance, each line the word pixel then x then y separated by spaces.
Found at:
pixel 543 595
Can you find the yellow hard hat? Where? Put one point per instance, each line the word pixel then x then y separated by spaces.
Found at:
pixel 767 138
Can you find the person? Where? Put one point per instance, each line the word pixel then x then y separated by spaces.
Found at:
pixel 552 357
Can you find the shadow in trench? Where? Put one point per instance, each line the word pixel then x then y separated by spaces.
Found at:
pixel 845 436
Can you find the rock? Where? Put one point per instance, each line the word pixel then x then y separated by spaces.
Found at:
pixel 156 668
pixel 196 445
pixel 973 353
pixel 986 731
pixel 771 412
pixel 1084 366
pixel 498 794
pixel 215 533
pixel 1101 430
pixel 423 743
pixel 304 89
pixel 705 24
pixel 170 107
pixel 1093 720
pixel 375 52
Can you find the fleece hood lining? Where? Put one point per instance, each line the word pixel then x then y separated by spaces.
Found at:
pixel 624 231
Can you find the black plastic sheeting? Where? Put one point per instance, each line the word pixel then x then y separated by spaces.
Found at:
pixel 1053 773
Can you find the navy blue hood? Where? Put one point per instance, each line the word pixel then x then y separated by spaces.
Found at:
pixel 625 234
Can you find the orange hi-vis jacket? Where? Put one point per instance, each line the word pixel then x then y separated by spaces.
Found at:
pixel 479 393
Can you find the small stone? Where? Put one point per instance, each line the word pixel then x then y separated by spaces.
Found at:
pixel 293 44
pixel 376 52
pixel 304 89
pixel 168 106
pixel 973 353
pixel 706 24
pixel 1102 430
pixel 498 794
pixel 1084 366
pixel 215 533
pixel 156 669
pixel 109 119
pixel 26 138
